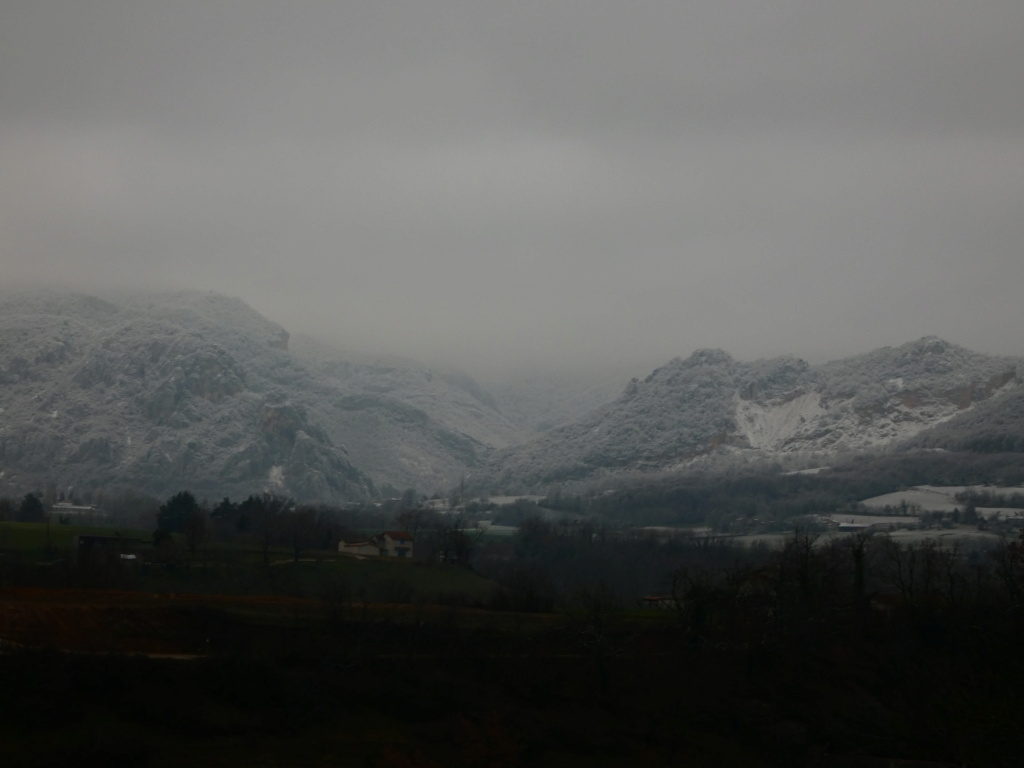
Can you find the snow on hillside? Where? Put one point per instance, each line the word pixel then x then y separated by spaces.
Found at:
pixel 772 426
pixel 163 391
pixel 710 408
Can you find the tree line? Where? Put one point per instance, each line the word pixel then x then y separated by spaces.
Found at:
pixel 29 509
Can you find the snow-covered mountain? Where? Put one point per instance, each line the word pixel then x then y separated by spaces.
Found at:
pixel 408 425
pixel 161 392
pixel 712 405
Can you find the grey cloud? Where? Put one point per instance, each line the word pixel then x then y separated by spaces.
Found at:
pixel 536 181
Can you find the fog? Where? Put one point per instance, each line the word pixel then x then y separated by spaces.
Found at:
pixel 530 185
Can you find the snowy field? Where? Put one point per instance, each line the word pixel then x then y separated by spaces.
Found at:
pixel 494 530
pixel 873 519
pixel 929 499
pixel 935 498
pixel 679 530
pixel 501 501
pixel 966 536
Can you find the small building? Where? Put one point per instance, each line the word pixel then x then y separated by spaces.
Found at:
pixel 396 543
pixel 386 544
pixel 68 508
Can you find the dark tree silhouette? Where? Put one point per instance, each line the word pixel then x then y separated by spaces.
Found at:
pixel 196 530
pixel 31 509
pixel 174 514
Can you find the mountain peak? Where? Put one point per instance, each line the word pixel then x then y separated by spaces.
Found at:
pixel 710 407
pixel 160 391
pixel 710 356
pixel 929 345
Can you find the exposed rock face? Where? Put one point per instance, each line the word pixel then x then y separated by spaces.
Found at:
pixel 710 403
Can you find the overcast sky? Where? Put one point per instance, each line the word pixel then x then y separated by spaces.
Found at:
pixel 524 182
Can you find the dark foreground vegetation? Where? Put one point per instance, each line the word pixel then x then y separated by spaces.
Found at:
pixel 732 500
pixel 240 636
pixel 851 652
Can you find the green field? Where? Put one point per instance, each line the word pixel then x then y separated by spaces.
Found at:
pixel 40 538
pixel 341 579
pixel 238 568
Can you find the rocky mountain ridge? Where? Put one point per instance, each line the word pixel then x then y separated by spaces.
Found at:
pixel 711 405
pixel 159 392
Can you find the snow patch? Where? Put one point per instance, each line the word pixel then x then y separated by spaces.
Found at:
pixel 928 498
pixel 811 471
pixel 805 424
pixel 276 476
pixel 770 426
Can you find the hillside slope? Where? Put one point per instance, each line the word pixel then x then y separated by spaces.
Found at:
pixel 195 390
pixel 406 423
pixel 712 405
pixel 158 393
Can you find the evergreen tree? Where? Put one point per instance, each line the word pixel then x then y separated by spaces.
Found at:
pixel 31 509
pixel 174 514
